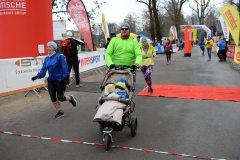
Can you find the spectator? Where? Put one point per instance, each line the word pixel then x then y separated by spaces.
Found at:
pixel 164 41
pixel 156 43
pixel 108 41
pixel 72 59
pixel 221 51
pixel 138 40
pixel 57 68
pixel 225 53
pixel 209 44
pixel 202 46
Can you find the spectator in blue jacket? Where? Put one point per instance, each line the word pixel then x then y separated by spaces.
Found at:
pixel 221 50
pixel 202 46
pixel 57 68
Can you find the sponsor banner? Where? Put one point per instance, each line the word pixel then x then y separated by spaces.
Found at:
pixel 105 28
pixel 13 7
pixel 156 48
pixel 24 20
pixel 174 32
pixel 102 59
pixel 231 16
pixel 170 35
pixel 160 49
pixel 90 60
pixel 100 49
pixel 230 52
pixel 214 47
pixel 224 27
pixel 78 13
pixel 237 55
pixel 174 48
pixel 16 73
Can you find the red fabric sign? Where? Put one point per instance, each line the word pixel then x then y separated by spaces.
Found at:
pixel 194 92
pixel 78 13
pixel 230 52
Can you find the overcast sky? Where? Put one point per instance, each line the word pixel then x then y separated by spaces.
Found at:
pixel 116 10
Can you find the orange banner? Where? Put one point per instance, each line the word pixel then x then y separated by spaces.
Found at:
pixel 78 13
pixel 24 24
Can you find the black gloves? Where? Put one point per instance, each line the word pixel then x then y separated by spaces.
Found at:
pixel 62 80
pixel 134 67
pixel 34 78
pixel 112 66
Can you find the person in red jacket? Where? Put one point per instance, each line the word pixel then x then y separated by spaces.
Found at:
pixel 168 48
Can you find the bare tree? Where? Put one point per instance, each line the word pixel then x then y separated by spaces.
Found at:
pixel 59 9
pixel 156 19
pixel 150 10
pixel 235 3
pixel 132 19
pixel 202 9
pixel 174 9
pixel 192 19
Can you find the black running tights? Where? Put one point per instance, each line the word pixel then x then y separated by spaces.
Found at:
pixel 59 88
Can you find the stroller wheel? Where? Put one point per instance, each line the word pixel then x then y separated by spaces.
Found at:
pixel 107 142
pixel 101 128
pixel 134 126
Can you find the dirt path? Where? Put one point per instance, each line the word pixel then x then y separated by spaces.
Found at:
pixel 16 102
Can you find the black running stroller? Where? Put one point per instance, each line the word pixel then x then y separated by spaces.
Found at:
pixel 115 113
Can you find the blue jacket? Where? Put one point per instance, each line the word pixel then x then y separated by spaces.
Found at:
pixel 222 45
pixel 201 44
pixel 57 68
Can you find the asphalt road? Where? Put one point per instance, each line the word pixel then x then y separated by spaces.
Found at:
pixel 197 127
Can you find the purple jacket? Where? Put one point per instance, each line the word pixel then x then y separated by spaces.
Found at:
pixel 167 47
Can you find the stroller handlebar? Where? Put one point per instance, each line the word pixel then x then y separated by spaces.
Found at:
pixel 123 67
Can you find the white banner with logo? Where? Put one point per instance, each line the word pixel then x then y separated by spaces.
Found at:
pixel 224 28
pixel 175 48
pixel 16 73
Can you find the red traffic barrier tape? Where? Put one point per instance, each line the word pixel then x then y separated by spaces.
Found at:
pixel 99 144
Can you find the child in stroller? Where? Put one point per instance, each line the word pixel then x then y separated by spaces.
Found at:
pixel 116 104
pixel 119 91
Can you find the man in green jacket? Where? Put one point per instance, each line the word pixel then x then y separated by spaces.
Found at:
pixel 123 50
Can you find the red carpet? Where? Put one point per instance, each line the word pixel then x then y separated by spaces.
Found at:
pixel 194 92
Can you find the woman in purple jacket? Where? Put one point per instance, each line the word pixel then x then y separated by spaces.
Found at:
pixel 168 48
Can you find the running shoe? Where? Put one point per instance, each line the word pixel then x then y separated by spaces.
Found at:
pixel 73 101
pixel 59 115
pixel 67 85
pixel 150 90
pixel 79 85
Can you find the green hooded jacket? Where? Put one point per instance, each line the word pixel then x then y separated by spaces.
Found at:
pixel 123 52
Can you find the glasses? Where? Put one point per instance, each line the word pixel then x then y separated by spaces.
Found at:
pixel 126 29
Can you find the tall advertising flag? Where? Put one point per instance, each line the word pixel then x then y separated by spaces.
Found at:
pixel 231 17
pixel 78 13
pixel 224 28
pixel 105 27
pixel 174 32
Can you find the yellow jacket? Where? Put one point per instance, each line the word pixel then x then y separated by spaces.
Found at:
pixel 148 58
pixel 209 45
